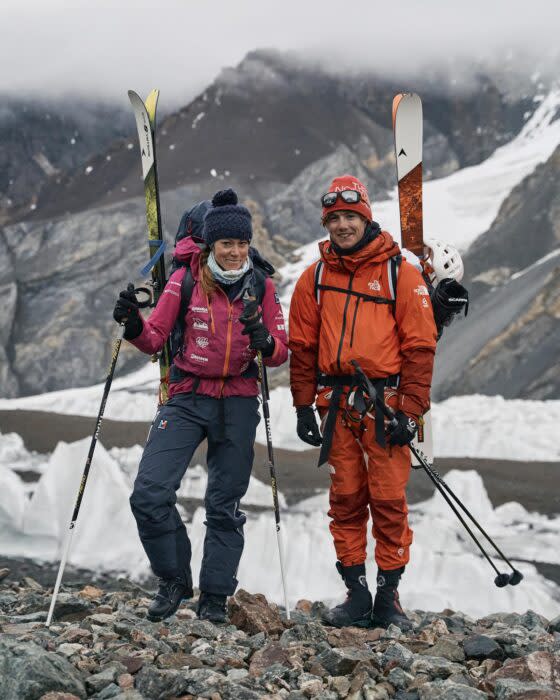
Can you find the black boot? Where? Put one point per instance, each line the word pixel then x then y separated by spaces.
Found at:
pixel 212 607
pixel 387 607
pixel 356 609
pixel 169 596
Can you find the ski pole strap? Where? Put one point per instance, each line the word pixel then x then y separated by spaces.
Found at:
pixel 347 382
pixel 159 248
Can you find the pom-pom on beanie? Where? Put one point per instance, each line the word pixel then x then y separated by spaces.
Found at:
pixel 227 219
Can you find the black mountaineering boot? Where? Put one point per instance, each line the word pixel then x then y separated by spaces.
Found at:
pixel 170 593
pixel 356 609
pixel 212 607
pixel 387 607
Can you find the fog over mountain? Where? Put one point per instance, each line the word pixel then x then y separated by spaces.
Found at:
pixel 101 49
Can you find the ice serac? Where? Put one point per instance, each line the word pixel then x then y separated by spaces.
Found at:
pixel 105 515
pixel 12 499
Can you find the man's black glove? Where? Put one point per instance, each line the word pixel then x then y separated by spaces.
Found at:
pixel 261 339
pixel 307 428
pixel 404 431
pixel 126 310
pixel 449 298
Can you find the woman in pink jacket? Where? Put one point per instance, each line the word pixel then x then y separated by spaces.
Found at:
pixel 213 395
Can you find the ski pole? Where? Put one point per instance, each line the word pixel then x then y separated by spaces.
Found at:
pixel 270 464
pixel 108 381
pixel 502 579
pixel 249 296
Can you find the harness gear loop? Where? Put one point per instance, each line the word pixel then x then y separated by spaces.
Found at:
pixel 352 383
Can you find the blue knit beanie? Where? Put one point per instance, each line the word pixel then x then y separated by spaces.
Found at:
pixel 227 219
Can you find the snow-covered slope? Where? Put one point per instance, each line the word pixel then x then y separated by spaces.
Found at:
pixel 445 571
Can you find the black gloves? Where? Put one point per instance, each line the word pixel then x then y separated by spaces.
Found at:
pixel 405 430
pixel 261 340
pixel 307 428
pixel 449 298
pixel 126 310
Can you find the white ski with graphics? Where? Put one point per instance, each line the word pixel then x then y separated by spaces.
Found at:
pixel 407 130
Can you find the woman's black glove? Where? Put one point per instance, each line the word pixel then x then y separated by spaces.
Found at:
pixel 307 428
pixel 126 311
pixel 261 339
pixel 404 431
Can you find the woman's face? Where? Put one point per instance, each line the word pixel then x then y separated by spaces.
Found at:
pixel 231 253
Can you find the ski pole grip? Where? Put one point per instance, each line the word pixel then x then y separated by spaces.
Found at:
pixel 248 298
pixel 141 303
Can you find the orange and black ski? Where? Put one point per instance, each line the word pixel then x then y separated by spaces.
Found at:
pixel 407 130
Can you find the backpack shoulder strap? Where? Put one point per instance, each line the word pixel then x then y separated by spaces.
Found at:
pixel 393 267
pixel 187 286
pixel 259 277
pixel 318 276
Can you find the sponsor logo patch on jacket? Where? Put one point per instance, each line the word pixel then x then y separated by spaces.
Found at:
pixel 162 425
pixel 202 341
pixel 422 290
pixel 199 309
pixel 375 286
pixel 198 358
pixel 200 325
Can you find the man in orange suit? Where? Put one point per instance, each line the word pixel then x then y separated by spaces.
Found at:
pixel 362 302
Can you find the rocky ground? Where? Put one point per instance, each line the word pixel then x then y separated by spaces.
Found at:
pixel 100 645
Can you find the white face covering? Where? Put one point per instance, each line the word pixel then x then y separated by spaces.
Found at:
pixel 227 276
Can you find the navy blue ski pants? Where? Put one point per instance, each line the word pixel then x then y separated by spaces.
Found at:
pixel 178 428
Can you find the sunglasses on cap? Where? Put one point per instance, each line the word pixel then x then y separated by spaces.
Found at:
pixel 348 196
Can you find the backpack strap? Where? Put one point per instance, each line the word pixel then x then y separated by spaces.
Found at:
pixel 319 269
pixel 393 267
pixel 187 286
pixel 393 271
pixel 259 278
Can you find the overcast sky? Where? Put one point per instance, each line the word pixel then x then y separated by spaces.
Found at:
pixel 103 48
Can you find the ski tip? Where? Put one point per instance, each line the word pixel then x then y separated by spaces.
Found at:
pixel 396 100
pixel 151 100
pixel 134 97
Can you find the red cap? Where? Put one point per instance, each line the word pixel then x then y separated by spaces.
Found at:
pixel 349 182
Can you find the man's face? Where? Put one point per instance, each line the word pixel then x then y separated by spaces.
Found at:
pixel 346 228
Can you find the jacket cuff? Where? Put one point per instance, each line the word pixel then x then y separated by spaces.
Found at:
pixel 408 405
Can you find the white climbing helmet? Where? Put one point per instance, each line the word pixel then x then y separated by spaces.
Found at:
pixel 445 261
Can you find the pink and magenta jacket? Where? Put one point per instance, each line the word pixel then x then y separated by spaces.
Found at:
pixel 214 349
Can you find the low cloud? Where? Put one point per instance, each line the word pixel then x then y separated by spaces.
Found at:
pixel 101 49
